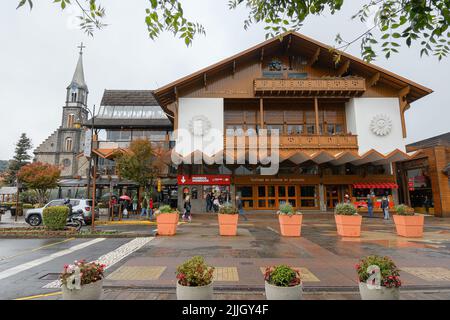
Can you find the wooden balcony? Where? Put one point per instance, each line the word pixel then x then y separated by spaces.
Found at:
pixel 321 87
pixel 324 142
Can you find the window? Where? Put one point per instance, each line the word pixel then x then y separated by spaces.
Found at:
pixel 74 97
pixel 70 120
pixel 69 144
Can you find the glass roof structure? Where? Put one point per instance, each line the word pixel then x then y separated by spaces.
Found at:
pixel 131 112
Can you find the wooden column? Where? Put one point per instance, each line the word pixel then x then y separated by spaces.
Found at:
pixel 316 108
pixel 261 113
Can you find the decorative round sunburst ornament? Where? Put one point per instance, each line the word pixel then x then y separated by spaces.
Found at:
pixel 381 125
pixel 199 125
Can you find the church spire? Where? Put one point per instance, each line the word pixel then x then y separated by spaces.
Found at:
pixel 78 76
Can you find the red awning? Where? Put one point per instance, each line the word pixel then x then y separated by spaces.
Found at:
pixel 386 185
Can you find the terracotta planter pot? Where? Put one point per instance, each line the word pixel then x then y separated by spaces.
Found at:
pixel 283 293
pixel 228 224
pixel 91 291
pixel 378 294
pixel 167 223
pixel 195 293
pixel 348 226
pixel 290 226
pixel 409 226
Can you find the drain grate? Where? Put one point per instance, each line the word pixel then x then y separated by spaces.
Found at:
pixel 50 276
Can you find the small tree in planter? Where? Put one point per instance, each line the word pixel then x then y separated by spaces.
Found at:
pixel 283 283
pixel 379 278
pixel 82 281
pixel 290 221
pixel 407 223
pixel 228 220
pixel 195 280
pixel 348 221
pixel 167 220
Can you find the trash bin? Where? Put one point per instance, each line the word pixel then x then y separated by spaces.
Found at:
pixel 13 211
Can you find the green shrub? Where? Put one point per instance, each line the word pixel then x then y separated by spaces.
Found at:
pixel 390 276
pixel 282 276
pixel 287 209
pixel 166 209
pixel 228 208
pixel 345 209
pixel 195 273
pixel 404 210
pixel 55 218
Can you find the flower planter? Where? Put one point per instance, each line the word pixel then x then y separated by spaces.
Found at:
pixel 167 223
pixel 195 293
pixel 91 291
pixel 409 226
pixel 228 224
pixel 290 226
pixel 378 294
pixel 348 226
pixel 283 293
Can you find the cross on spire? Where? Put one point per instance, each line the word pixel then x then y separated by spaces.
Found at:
pixel 81 48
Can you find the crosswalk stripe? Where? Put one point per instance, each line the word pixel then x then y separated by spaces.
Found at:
pixel 31 264
pixel 112 257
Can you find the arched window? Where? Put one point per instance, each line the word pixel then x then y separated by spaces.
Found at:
pixel 74 96
pixel 69 144
pixel 70 120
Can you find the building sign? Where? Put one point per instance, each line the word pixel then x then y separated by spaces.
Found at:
pixel 87 143
pixel 204 180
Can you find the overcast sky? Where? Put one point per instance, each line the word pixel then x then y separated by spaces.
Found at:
pixel 38 54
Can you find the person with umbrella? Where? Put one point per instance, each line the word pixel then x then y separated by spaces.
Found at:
pixel 125 202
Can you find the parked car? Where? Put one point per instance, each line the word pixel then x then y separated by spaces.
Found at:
pixel 34 216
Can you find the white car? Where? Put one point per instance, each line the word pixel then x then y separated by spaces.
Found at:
pixel 34 216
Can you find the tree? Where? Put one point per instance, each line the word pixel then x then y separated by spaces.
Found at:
pixel 138 163
pixel 40 177
pixel 424 22
pixel 20 159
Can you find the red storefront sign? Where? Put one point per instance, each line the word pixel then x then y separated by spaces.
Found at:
pixel 204 180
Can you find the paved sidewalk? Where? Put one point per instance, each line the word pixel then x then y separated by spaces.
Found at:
pixel 9 221
pixel 326 260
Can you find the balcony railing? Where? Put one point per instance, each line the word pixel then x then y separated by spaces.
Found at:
pixel 345 142
pixel 344 87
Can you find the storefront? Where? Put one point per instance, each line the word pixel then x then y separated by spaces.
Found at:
pixel 198 186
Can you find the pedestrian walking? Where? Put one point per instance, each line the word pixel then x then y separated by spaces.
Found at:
pixel 135 203
pixel 209 202
pixel 144 206
pixel 370 205
pixel 427 204
pixel 240 208
pixel 187 208
pixel 216 204
pixel 385 207
pixel 150 208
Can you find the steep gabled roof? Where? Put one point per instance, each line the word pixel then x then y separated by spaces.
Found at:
pixel 440 140
pixel 129 98
pixel 311 49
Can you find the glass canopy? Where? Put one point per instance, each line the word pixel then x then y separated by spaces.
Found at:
pixel 131 112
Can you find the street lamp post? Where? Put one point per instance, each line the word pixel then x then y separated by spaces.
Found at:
pixel 79 125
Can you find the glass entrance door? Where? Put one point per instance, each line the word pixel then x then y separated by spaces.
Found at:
pixel 332 196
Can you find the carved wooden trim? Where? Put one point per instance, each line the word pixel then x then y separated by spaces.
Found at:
pixel 343 68
pixel 373 80
pixel 314 58
pixel 404 105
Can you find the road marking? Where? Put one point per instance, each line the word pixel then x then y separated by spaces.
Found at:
pixel 228 274
pixel 40 296
pixel 37 249
pixel 139 273
pixel 28 265
pixel 271 229
pixel 112 257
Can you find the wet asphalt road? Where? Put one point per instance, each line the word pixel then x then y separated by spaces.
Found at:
pixel 15 254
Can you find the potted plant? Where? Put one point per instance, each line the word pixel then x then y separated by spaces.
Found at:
pixel 348 221
pixel 283 283
pixel 379 279
pixel 407 223
pixel 167 220
pixel 82 281
pixel 228 220
pixel 195 280
pixel 290 221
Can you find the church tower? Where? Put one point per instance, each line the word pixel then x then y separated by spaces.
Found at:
pixel 67 142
